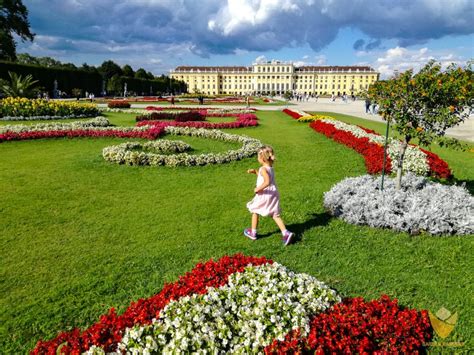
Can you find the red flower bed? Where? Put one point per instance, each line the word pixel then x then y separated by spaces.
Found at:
pixel 118 104
pixel 176 116
pixel 293 114
pixel 372 153
pixel 108 330
pixel 151 133
pixel 243 120
pixel 358 327
pixel 439 168
pixel 205 111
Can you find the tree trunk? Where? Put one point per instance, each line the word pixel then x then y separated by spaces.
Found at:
pixel 401 156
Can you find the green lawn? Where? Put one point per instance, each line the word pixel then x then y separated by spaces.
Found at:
pixel 80 235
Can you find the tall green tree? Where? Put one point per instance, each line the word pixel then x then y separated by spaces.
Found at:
pixel 141 74
pixel 109 68
pixel 115 85
pixel 424 105
pixel 13 19
pixel 128 71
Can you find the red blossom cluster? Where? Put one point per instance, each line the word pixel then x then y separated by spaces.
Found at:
pixel 118 104
pixel 151 133
pixel 204 111
pixel 372 152
pixel 291 113
pixel 438 167
pixel 358 327
pixel 107 332
pixel 185 116
pixel 243 120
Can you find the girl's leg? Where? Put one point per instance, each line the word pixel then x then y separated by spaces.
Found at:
pixel 279 223
pixel 254 221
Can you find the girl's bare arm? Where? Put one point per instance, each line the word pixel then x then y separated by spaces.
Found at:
pixel 266 181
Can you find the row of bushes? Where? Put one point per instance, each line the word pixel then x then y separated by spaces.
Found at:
pixel 69 79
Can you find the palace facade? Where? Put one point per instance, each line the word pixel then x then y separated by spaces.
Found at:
pixel 276 77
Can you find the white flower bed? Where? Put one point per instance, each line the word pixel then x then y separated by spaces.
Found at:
pixel 255 307
pixel 414 161
pixel 123 153
pixel 38 118
pixel 56 126
pixel 421 205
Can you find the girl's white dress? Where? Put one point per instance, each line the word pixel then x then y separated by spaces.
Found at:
pixel 266 202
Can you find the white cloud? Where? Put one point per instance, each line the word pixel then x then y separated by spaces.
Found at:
pixel 401 59
pixel 260 59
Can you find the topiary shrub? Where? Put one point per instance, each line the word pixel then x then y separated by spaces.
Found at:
pixel 118 104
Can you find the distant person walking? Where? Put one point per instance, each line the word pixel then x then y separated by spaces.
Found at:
pixel 367 106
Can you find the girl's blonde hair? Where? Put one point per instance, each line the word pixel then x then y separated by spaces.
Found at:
pixel 266 152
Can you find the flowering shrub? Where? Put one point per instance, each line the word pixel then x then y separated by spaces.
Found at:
pixel 16 108
pixel 370 145
pixel 118 104
pixel 255 306
pixel 175 116
pixel 420 205
pixel 126 153
pixel 108 331
pixel 358 327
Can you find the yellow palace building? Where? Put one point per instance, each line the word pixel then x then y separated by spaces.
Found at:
pixel 276 77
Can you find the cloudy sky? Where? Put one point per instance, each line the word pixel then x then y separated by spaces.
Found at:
pixel 159 35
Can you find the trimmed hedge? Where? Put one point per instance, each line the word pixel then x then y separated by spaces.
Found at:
pixel 69 79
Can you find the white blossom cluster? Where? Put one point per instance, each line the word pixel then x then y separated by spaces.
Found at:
pixel 123 153
pixel 158 146
pixel 415 160
pixel 255 307
pixel 420 205
pixel 57 126
pixel 37 118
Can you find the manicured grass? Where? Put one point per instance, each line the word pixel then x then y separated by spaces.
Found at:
pixel 80 235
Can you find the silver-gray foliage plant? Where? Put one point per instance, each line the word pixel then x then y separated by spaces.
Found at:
pixel 421 205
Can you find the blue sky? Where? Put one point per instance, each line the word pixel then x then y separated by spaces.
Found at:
pixel 159 35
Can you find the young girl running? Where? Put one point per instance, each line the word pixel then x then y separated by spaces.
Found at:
pixel 267 199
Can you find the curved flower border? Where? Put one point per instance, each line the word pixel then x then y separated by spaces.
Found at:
pixel 370 144
pixel 243 120
pixel 123 153
pixel 97 127
pixel 242 303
